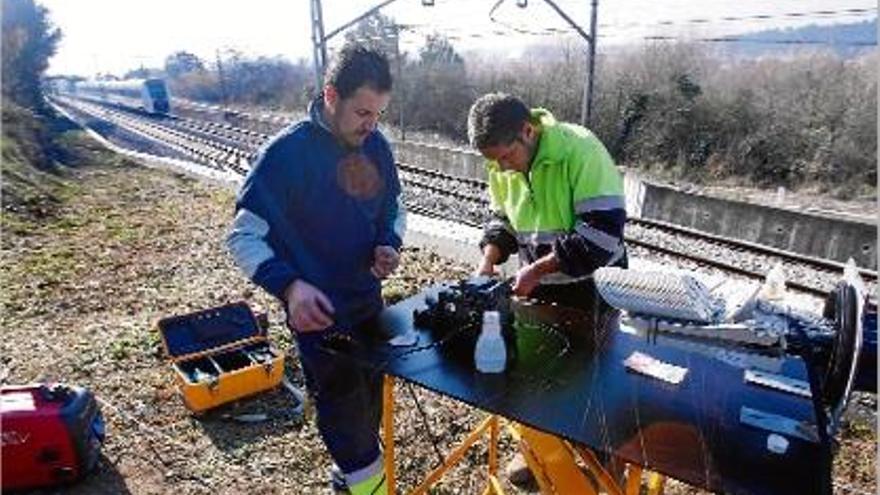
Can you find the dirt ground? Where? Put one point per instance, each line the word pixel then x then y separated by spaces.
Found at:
pixel 85 278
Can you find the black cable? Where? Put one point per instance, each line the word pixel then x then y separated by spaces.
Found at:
pixel 425 423
pixel 379 484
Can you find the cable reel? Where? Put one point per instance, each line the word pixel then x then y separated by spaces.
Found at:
pixel 845 307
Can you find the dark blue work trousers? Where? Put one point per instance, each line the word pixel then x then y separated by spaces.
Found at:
pixel 348 399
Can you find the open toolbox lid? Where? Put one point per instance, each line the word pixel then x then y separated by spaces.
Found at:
pixel 201 331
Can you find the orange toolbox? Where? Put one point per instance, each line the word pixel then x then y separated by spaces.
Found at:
pixel 220 355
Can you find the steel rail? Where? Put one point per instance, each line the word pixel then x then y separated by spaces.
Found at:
pixel 819 263
pixel 727 267
pixel 741 245
pixel 444 191
pixel 700 260
pixel 415 169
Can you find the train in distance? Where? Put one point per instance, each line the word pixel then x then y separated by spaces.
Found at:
pixel 152 93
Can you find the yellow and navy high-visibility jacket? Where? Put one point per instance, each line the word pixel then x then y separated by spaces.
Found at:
pixel 570 201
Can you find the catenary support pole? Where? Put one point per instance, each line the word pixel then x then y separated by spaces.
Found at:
pixel 587 110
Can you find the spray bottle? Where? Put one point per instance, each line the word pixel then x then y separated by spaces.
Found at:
pixel 490 353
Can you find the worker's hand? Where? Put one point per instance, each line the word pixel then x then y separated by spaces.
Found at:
pixel 527 278
pixel 486 268
pixel 491 257
pixel 308 309
pixel 385 261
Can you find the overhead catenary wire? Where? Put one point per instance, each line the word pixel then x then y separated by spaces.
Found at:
pixel 745 39
pixel 502 28
pixel 816 14
pixel 722 39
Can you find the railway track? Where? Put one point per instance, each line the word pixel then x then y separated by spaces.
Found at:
pixel 436 194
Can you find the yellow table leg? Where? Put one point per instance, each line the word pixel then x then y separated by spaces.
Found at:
pixel 453 457
pixel 656 481
pixel 605 480
pixel 552 461
pixel 493 446
pixel 388 432
pixel 655 484
pixel 633 479
pixel 491 424
pixel 495 485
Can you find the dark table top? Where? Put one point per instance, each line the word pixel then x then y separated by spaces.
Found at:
pixel 690 431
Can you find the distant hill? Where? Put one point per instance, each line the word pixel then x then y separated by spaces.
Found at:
pixel 847 40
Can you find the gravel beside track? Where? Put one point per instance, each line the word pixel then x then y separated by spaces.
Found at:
pixel 119 134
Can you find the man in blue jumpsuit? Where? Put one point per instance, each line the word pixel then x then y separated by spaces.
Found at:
pixel 318 224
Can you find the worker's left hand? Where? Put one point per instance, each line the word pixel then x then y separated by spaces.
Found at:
pixel 527 278
pixel 385 261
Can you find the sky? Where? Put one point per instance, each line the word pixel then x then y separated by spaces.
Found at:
pixel 113 36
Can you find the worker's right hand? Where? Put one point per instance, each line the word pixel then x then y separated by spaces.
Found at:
pixel 308 309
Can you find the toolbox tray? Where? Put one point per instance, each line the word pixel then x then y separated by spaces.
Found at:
pixel 220 355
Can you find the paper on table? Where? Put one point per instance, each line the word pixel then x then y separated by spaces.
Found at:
pixel 647 365
pixel 403 340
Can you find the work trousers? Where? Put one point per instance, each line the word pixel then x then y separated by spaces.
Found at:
pixel 348 399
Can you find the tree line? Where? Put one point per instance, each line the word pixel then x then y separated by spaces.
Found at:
pixel 806 119
pixel 803 119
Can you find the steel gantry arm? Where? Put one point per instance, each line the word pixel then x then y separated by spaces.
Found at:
pixel 587 101
pixel 319 39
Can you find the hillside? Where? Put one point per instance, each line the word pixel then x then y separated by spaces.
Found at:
pixel 846 40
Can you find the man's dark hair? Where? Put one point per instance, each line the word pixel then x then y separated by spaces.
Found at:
pixel 356 66
pixel 496 118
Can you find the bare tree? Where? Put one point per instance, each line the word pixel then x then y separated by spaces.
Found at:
pixel 29 39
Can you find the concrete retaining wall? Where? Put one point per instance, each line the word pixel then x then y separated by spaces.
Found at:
pixel 453 161
pixel 822 236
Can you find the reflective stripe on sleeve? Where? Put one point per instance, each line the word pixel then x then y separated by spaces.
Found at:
pixel 247 242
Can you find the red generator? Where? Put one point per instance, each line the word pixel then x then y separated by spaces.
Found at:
pixel 52 434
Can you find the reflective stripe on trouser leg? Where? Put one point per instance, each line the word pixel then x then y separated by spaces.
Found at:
pixel 369 480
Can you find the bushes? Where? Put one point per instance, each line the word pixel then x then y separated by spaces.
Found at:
pixel 806 119
pixel 803 120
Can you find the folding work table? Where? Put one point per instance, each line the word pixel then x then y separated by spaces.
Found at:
pixel 714 430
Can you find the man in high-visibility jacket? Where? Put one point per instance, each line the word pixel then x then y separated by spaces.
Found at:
pixel 557 200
